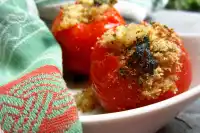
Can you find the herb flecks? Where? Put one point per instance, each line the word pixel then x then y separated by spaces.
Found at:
pixel 138 59
pixel 101 2
pixel 122 71
pixel 143 56
pixel 150 57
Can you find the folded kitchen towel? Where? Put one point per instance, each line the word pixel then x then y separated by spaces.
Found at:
pixel 33 94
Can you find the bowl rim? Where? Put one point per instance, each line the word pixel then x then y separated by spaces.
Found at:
pixel 142 110
pixel 195 91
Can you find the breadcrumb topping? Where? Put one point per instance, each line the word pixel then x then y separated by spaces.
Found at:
pixel 97 2
pixel 123 36
pixel 85 11
pixel 159 56
pixel 86 100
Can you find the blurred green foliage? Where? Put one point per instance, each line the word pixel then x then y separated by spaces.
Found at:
pixel 189 5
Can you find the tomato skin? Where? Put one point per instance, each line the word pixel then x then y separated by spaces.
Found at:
pixel 115 93
pixel 77 42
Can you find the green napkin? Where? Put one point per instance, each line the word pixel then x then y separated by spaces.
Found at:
pixel 33 94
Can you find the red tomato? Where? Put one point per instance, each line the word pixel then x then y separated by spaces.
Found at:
pixel 77 42
pixel 115 92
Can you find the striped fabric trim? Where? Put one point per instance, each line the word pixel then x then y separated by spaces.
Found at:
pixel 37 102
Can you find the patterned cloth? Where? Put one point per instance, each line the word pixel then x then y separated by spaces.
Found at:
pixel 33 94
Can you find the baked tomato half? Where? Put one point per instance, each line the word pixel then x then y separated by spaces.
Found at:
pixel 137 65
pixel 77 28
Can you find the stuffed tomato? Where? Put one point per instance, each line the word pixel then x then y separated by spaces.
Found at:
pixel 77 28
pixel 137 65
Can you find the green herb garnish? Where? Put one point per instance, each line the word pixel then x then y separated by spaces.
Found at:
pixel 143 56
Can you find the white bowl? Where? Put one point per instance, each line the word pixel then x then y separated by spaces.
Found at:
pixel 146 119
pixel 150 118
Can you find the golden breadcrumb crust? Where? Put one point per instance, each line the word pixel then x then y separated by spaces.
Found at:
pixel 164 47
pixel 85 11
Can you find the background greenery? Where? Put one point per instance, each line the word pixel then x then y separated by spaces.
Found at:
pixel 188 5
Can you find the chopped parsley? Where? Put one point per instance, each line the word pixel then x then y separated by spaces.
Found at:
pixel 122 71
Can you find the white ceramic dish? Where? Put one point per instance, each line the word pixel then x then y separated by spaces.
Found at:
pixel 150 118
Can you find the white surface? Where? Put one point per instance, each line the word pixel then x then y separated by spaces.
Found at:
pixel 132 11
pixel 150 118
pixel 182 22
